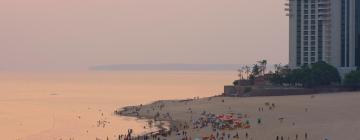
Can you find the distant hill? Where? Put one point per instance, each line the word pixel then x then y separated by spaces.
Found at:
pixel 167 67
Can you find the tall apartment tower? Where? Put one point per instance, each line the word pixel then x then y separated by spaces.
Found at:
pixel 324 30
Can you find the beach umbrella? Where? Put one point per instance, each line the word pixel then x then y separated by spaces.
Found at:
pixel 226 118
pixel 237 121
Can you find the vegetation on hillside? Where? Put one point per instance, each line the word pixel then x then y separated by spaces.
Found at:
pixel 314 75
pixel 248 72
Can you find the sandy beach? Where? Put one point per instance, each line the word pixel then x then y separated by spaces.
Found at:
pixel 312 117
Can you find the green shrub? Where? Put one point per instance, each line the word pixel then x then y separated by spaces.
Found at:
pixel 352 78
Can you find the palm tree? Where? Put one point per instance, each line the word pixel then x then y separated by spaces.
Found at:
pixel 256 70
pixel 241 72
pixel 262 64
pixel 247 71
pixel 277 67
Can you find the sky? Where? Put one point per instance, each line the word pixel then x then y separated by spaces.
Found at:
pixel 77 34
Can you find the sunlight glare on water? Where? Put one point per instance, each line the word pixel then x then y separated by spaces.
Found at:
pixel 35 106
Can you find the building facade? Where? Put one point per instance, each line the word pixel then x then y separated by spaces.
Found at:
pixel 324 30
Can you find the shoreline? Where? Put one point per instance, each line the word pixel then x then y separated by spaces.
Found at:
pixel 164 125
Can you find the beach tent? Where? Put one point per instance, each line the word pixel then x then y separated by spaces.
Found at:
pixel 225 117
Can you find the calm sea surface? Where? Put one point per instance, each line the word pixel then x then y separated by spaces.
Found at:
pixel 43 106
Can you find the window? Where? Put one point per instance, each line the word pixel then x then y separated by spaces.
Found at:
pixel 306 38
pixel 312 59
pixel 313 37
pixel 306 22
pixel 313 32
pixel 306 59
pixel 312 48
pixel 313 27
pixel 312 53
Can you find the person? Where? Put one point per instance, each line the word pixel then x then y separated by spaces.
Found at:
pixel 306 135
pixel 259 121
pixel 237 135
pixel 277 137
pixel 212 136
pixel 296 136
pixel 246 135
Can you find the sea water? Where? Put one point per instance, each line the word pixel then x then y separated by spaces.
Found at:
pixel 80 105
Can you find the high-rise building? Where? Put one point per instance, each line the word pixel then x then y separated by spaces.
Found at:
pixel 324 30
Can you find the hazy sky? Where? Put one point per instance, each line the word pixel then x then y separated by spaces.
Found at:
pixel 73 34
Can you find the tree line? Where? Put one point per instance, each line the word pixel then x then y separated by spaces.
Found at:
pixel 314 75
pixel 308 76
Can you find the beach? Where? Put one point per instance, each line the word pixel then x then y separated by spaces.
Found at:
pixel 313 117
pixel 81 106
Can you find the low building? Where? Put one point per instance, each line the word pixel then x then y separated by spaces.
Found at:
pixel 243 87
pixel 230 90
pixel 263 80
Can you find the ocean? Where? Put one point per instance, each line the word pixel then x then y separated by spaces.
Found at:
pixel 80 105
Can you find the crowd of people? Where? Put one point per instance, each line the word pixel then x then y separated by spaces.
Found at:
pixel 207 125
